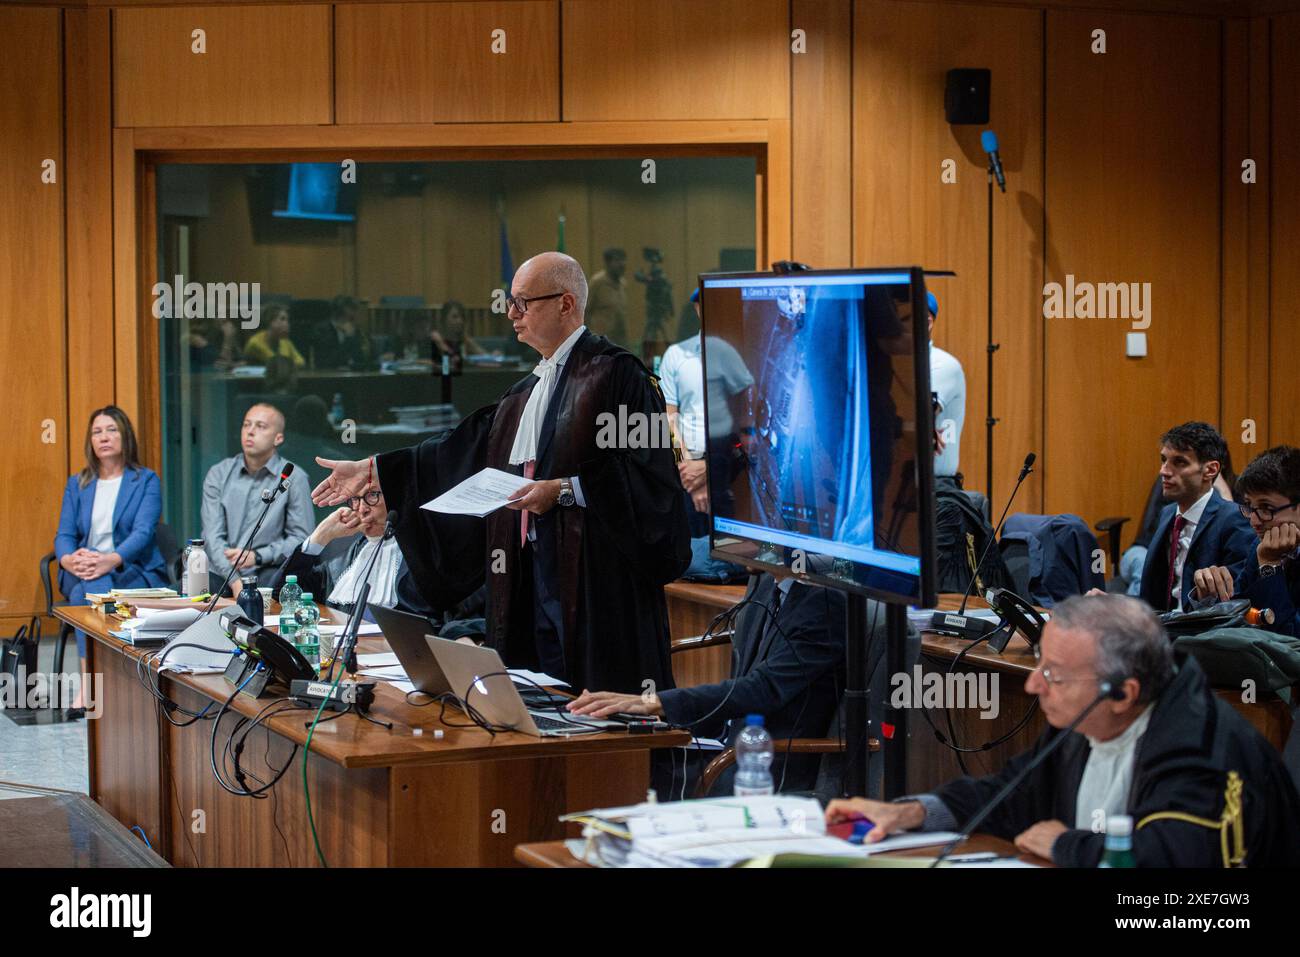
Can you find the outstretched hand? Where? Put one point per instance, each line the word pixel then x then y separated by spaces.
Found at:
pixel 346 480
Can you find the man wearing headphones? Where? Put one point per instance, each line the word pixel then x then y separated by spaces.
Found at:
pixel 1156 745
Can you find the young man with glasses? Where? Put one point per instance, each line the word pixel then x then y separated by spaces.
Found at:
pixel 335 578
pixel 1269 490
pixel 1201 785
pixel 575 565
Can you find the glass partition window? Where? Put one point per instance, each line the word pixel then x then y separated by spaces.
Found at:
pixel 369 308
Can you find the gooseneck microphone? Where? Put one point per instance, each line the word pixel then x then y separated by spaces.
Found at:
pixel 268 496
pixel 1109 688
pixel 989 140
pixel 958 624
pixel 346 645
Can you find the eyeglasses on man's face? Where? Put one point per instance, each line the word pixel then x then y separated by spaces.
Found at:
pixel 371 498
pixel 520 304
pixel 1265 512
pixel 1051 676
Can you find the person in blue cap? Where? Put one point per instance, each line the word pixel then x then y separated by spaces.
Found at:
pixel 948 383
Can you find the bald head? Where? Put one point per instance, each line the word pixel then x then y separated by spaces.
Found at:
pixel 562 273
pixel 549 318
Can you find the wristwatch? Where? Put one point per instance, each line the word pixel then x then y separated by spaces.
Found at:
pixel 1272 569
pixel 566 493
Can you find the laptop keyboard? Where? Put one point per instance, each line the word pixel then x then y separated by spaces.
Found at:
pixel 547 723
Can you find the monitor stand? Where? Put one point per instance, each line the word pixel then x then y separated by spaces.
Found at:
pixel 893 736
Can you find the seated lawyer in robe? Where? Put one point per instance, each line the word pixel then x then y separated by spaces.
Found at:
pixel 1198 528
pixel 336 580
pixel 787 666
pixel 1197 779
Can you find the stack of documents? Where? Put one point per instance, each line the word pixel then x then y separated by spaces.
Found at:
pixel 722 832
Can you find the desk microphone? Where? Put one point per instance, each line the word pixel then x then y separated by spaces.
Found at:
pixel 268 496
pixel 1111 688
pixel 958 624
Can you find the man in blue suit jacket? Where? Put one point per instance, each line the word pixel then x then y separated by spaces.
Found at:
pixel 1198 528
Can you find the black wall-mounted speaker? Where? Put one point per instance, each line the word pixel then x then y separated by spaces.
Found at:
pixel 966 96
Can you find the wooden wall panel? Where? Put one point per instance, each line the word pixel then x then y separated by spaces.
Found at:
pixel 822 118
pixel 433 62
pixel 33 350
pixel 1245 317
pixel 903 213
pixel 264 65
pixel 88 124
pixel 1133 195
pixel 676 59
pixel 1284 380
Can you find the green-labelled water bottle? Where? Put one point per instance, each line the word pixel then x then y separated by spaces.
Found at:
pixel 290 595
pixel 1119 842
pixel 307 640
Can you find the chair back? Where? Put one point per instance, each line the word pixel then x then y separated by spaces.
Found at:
pixel 169 547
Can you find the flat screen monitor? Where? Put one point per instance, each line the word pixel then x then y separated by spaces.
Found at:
pixel 819 427
pixel 313 191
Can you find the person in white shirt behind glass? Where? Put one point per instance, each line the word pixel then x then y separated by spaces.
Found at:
pixel 107 528
pixel 948 383
pixel 708 461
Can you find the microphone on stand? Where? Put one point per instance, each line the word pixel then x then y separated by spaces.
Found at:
pixel 1110 688
pixel 268 496
pixel 946 623
pixel 346 646
pixel 989 140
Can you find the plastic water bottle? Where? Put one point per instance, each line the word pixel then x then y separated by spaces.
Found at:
pixel 290 595
pixel 307 639
pixel 753 759
pixel 1119 842
pixel 336 410
pixel 194 569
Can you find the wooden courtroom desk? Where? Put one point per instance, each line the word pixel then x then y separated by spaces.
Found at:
pixel 379 797
pixel 552 854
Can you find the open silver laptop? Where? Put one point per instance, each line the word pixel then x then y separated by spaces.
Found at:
pixel 441 666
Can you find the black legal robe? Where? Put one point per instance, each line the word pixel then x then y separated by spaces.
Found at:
pixel 1198 766
pixel 610 560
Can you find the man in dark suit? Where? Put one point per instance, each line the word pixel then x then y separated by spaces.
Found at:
pixel 787 660
pixel 1198 528
pixel 1269 490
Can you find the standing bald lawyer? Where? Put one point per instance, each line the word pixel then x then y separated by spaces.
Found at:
pixel 576 566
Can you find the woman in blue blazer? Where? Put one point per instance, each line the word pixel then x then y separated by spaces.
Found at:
pixel 106 536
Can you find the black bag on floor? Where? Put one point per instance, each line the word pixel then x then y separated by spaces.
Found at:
pixel 20 651
pixel 961 535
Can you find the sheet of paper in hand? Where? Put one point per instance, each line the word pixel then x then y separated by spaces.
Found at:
pixel 480 494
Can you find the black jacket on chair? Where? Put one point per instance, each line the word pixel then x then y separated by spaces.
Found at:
pixel 318 574
pixel 795 681
pixel 1222 537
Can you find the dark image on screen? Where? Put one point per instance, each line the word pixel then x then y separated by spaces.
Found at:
pixel 828 477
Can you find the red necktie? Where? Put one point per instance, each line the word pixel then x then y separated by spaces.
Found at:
pixel 1179 522
pixel 530 469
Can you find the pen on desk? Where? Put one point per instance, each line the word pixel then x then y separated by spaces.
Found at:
pixel 974 857
pixel 201 597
